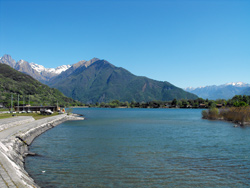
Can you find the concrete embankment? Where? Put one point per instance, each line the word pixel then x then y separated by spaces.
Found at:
pixel 14 142
pixel 15 121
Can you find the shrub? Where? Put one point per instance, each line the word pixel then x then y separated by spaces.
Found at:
pixel 213 113
pixel 238 114
pixel 205 114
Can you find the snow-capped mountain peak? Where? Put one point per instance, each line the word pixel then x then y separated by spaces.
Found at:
pixel 237 84
pixel 192 88
pixel 224 91
pixel 39 72
pixel 189 88
pixel 21 62
pixel 38 68
pixel 57 70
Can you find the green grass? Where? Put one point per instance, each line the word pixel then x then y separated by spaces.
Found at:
pixel 34 115
pixel 4 109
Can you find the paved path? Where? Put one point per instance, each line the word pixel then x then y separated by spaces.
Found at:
pixel 7 171
pixel 7 133
pixel 14 121
pixel 5 177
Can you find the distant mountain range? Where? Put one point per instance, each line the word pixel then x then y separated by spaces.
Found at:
pixel 100 81
pixel 225 91
pixel 38 72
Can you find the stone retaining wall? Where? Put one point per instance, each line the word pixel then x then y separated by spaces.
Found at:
pixel 14 149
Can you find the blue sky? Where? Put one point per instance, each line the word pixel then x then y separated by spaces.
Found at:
pixel 185 42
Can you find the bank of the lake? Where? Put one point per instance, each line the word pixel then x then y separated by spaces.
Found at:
pixel 16 135
pixel 238 115
pixel 141 148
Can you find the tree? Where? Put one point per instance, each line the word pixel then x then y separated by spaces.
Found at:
pixel 211 104
pixel 184 103
pixel 174 102
pixel 69 111
pixel 179 103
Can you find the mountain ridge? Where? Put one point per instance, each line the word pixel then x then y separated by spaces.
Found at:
pixel 38 72
pixel 103 82
pixel 237 84
pixel 17 83
pixel 100 81
pixel 224 91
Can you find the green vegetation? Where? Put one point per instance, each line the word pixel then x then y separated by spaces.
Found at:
pixel 133 104
pixel 4 109
pixel 182 103
pixel 239 115
pixel 19 84
pixel 236 101
pixel 236 110
pixel 212 113
pixel 34 115
pixel 103 82
pixel 239 101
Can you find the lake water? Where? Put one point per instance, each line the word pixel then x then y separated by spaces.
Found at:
pixel 141 148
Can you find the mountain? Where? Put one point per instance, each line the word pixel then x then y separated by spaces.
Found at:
pixel 99 81
pixel 15 82
pixel 57 70
pixel 38 72
pixel 246 91
pixel 6 59
pixel 75 68
pixel 225 91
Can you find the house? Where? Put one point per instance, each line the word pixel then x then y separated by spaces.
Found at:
pixel 202 105
pixel 219 105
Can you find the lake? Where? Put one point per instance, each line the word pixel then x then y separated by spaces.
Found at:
pixel 141 148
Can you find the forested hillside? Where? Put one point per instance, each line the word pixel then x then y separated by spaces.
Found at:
pixel 103 82
pixel 17 83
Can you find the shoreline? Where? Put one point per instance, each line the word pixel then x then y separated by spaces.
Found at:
pixel 237 123
pixel 14 147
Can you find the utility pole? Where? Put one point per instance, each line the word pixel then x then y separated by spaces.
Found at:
pixel 11 103
pixel 18 102
pixel 23 102
pixel 29 105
